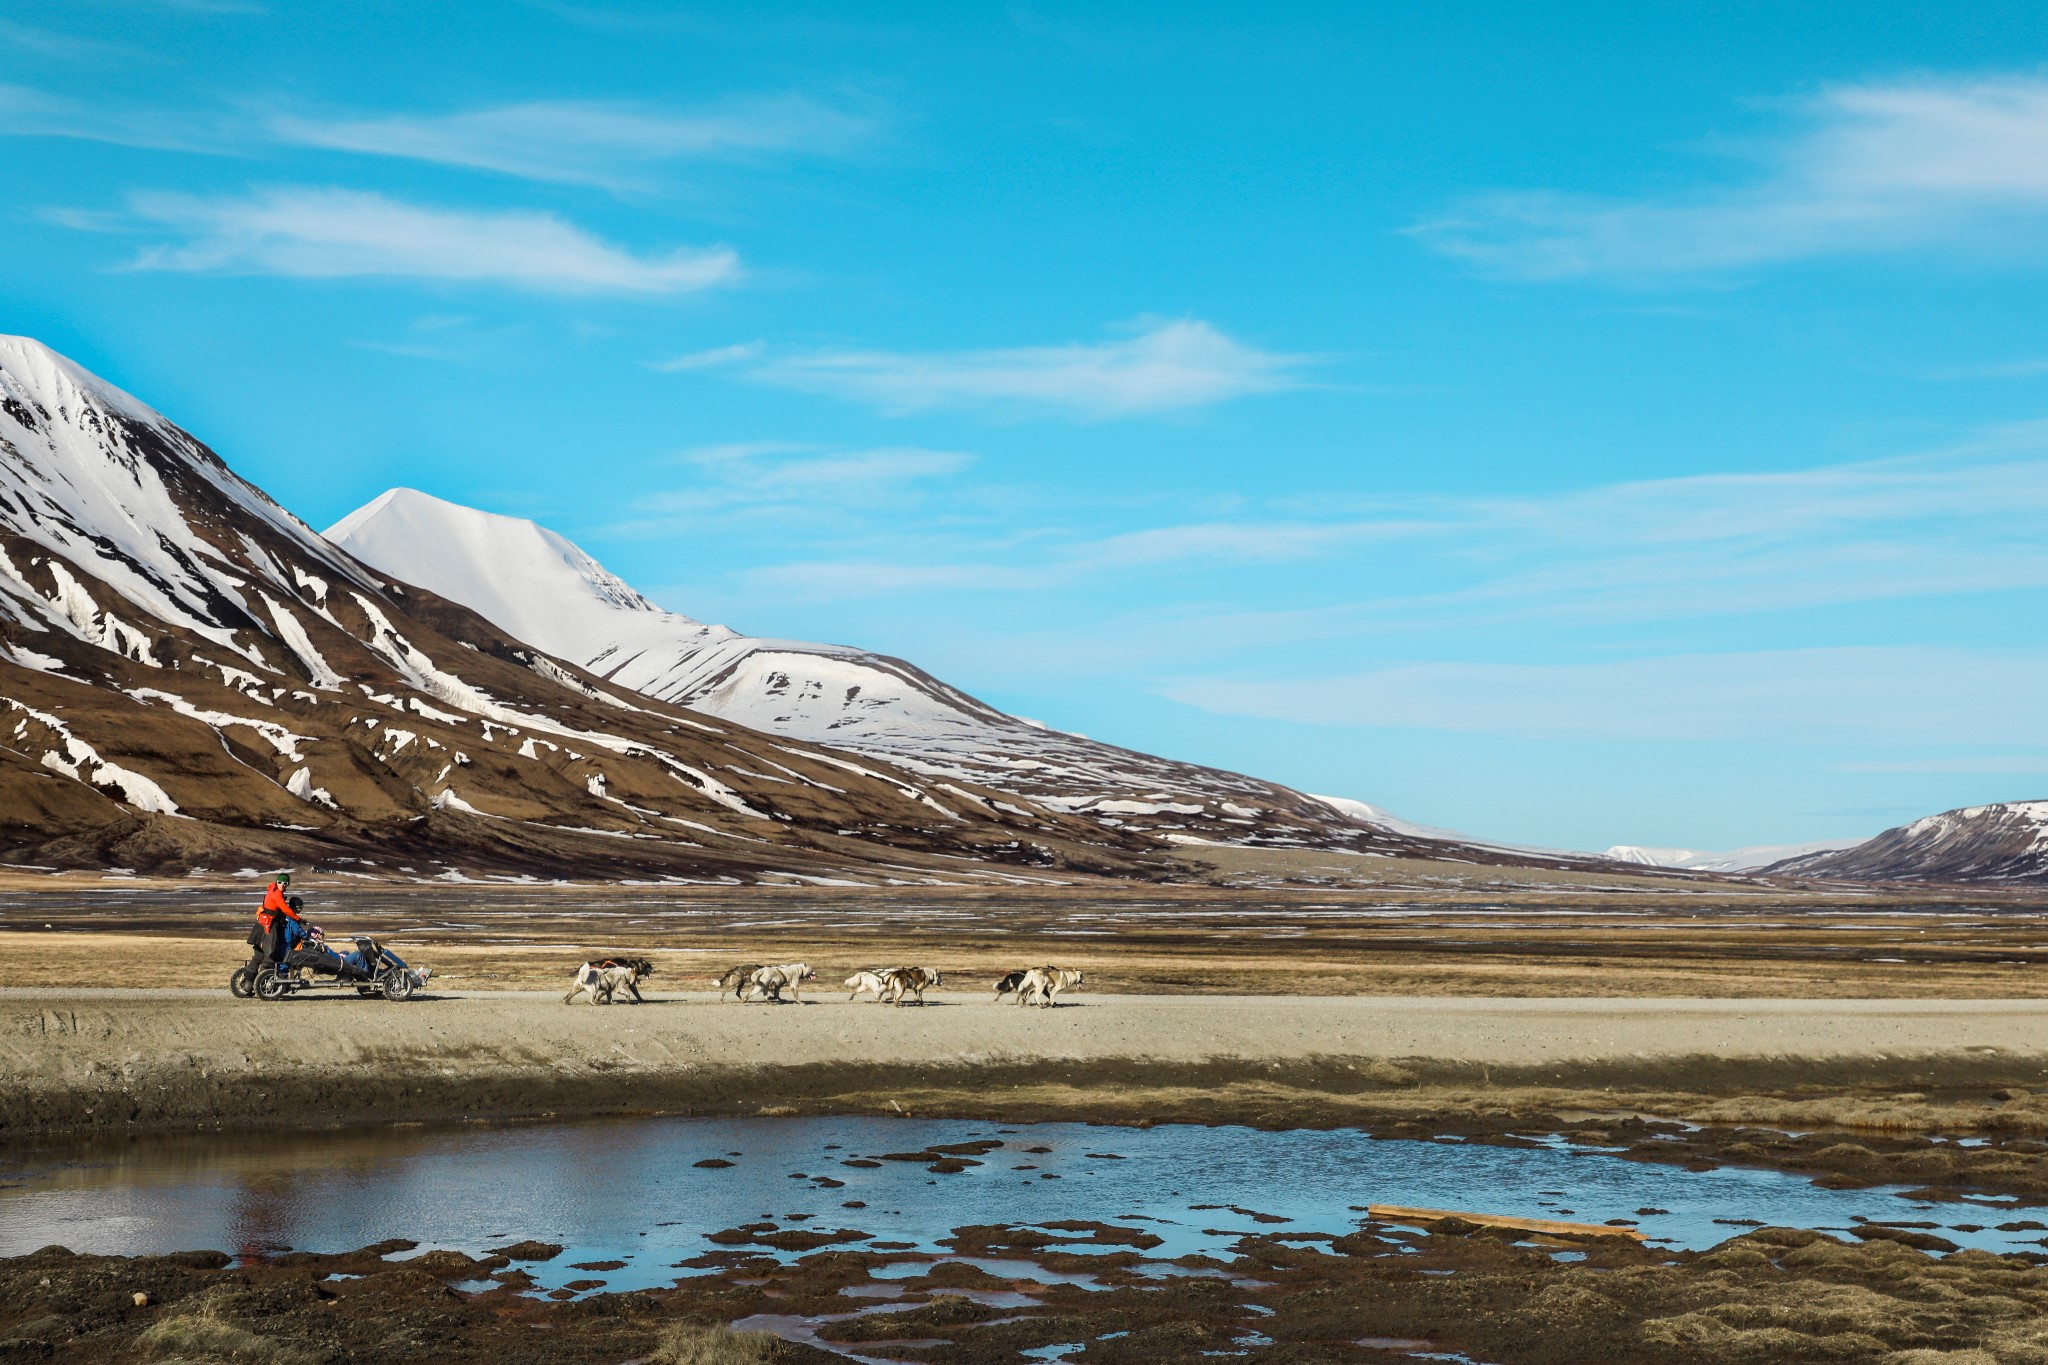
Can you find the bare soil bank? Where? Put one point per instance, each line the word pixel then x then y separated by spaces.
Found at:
pixel 159 1057
pixel 1895 1071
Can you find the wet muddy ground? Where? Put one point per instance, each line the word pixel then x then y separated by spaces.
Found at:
pixel 899 1276
pixel 1019 1292
pixel 908 1182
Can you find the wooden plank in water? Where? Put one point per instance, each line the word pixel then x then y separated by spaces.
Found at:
pixel 1395 1213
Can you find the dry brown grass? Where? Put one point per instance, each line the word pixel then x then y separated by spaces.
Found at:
pixel 686 1343
pixel 1726 942
pixel 201 1336
pixel 1692 959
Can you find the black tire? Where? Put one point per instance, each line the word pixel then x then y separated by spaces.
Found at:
pixel 270 985
pixel 398 984
pixel 242 984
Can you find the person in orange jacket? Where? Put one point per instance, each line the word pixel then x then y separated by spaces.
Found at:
pixel 279 916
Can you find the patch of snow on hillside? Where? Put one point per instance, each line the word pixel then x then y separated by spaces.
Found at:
pixel 300 784
pixel 293 632
pixel 81 762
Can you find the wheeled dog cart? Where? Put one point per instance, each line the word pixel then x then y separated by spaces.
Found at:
pixel 316 968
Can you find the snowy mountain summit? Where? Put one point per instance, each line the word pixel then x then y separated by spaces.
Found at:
pixel 541 588
pixel 525 578
pixel 99 480
pixel 1732 860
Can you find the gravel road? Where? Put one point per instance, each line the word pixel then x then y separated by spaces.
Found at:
pixel 94 1059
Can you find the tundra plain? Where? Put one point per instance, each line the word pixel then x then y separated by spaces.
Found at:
pixel 1857 1039
pixel 1219 1005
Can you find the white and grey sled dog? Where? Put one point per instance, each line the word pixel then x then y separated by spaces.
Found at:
pixel 865 983
pixel 891 984
pixel 750 984
pixel 1042 984
pixel 604 979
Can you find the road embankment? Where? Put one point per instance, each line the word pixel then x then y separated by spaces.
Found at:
pixel 76 1061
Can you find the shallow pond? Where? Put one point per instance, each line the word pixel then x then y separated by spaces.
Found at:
pixel 631 1190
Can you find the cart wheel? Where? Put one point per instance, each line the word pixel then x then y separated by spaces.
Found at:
pixel 270 985
pixel 398 984
pixel 242 984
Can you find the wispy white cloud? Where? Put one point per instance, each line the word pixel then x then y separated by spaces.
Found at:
pixel 579 141
pixel 1962 520
pixel 1955 521
pixel 614 144
pixel 716 356
pixel 451 337
pixel 2028 368
pixel 330 233
pixel 1160 367
pixel 28 112
pixel 823 581
pixel 1959 164
pixel 727 452
pixel 1225 543
pixel 209 6
pixel 1043 561
pixel 1937 695
pixel 45 42
pixel 782 479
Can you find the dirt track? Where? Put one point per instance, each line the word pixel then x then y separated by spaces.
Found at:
pixel 86 1060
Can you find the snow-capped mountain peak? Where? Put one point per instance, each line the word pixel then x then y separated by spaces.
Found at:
pixel 541 588
pixel 105 483
pixel 535 583
pixel 41 371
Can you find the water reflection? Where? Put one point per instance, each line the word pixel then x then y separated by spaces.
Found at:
pixel 630 1190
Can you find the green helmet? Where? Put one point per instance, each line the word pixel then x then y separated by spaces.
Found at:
pixel 284 879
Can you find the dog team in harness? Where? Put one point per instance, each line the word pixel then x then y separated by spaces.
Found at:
pixel 288 955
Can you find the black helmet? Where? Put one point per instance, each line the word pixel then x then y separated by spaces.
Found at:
pixel 295 903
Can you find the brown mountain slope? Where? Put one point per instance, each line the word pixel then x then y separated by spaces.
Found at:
pixel 190 677
pixel 2002 843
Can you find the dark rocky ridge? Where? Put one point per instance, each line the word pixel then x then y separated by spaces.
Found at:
pixel 2003 842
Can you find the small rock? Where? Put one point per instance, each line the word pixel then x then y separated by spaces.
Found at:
pixel 142 1300
pixel 529 1251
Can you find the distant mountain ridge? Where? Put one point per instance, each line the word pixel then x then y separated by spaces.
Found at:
pixel 542 588
pixel 1732 860
pixel 192 679
pixel 2002 842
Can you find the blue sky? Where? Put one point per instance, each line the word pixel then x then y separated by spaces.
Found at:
pixel 1573 424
